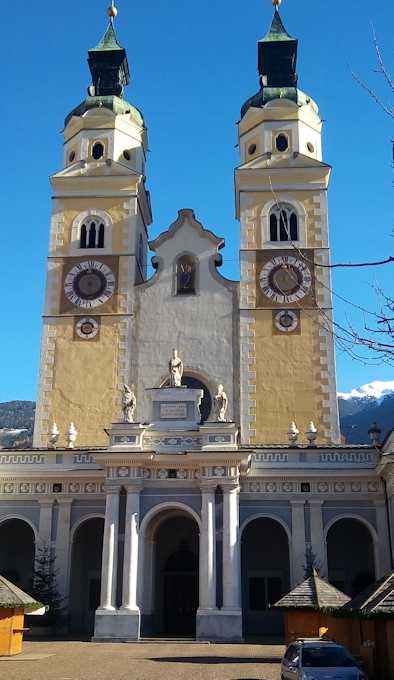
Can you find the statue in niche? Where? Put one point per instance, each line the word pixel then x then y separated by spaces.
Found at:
pixel 176 369
pixel 129 403
pixel 221 405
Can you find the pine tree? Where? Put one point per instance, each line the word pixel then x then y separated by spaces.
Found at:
pixel 45 587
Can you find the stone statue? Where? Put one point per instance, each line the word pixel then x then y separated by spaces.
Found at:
pixel 129 403
pixel 176 369
pixel 221 404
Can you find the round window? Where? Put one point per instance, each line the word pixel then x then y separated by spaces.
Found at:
pixel 126 155
pixel 252 149
pixel 282 143
pixel 98 151
pixel 310 147
pixel 71 157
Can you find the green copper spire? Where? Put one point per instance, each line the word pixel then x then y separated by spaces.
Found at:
pixel 277 62
pixel 277 30
pixel 108 63
pixel 109 40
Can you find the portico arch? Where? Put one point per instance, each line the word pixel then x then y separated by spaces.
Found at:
pixel 351 570
pixel 265 568
pixel 169 569
pixel 17 550
pixel 85 575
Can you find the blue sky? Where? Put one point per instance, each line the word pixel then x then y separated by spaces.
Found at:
pixel 193 65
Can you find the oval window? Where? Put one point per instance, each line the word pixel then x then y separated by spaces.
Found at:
pixel 98 151
pixel 310 147
pixel 126 155
pixel 252 149
pixel 71 157
pixel 282 143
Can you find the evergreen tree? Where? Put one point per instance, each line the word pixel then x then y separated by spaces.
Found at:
pixel 45 588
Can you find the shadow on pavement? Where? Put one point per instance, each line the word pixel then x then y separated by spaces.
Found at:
pixel 217 659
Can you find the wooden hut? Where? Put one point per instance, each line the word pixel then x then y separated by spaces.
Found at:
pixel 308 608
pixel 14 603
pixel 372 613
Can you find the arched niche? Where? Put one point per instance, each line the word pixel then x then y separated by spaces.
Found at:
pixel 17 552
pixel 350 555
pixel 265 567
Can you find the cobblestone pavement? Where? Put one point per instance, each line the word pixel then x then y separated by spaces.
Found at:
pixel 143 661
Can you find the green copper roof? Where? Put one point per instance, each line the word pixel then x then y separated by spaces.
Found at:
pixel 277 30
pixel 109 41
pixel 116 104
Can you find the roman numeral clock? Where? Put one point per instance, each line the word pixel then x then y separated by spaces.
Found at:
pixel 285 282
pixel 89 285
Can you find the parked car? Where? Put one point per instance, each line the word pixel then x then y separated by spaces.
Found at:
pixel 316 659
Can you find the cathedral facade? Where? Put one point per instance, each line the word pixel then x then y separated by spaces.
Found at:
pixel 187 466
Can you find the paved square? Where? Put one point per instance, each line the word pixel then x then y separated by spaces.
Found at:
pixel 143 661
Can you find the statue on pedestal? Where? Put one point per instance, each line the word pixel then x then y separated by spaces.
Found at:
pixel 129 403
pixel 176 369
pixel 221 405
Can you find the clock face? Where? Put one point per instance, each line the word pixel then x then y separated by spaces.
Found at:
pixel 285 279
pixel 89 284
pixel 286 321
pixel 87 328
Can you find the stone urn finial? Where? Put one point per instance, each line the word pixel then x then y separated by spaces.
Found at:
pixel 311 434
pixel 72 436
pixel 292 434
pixel 54 435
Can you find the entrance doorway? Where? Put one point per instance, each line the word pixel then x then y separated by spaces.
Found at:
pixel 265 575
pixel 350 570
pixel 85 583
pixel 172 569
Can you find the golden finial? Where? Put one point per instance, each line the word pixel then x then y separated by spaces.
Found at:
pixel 276 3
pixel 112 11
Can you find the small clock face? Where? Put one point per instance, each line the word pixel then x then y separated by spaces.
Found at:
pixel 286 321
pixel 87 328
pixel 89 284
pixel 285 279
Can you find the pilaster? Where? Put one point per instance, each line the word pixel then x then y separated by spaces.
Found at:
pixel 62 549
pixel 383 565
pixel 231 610
pixel 317 536
pixel 298 546
pixel 45 523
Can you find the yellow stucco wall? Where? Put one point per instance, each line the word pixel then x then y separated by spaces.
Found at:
pixel 85 380
pixel 288 381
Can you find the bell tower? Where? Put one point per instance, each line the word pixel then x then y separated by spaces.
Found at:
pixel 287 348
pixel 97 253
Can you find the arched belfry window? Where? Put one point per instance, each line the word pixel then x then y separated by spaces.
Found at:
pixel 92 234
pixel 186 275
pixel 283 223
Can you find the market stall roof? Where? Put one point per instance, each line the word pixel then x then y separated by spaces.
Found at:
pixel 378 598
pixel 12 597
pixel 313 593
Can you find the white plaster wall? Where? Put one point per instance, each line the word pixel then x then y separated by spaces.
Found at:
pixel 203 327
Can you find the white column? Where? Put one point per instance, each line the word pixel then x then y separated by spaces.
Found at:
pixel 383 565
pixel 110 550
pixel 208 549
pixel 45 524
pixel 317 536
pixel 130 559
pixel 231 548
pixel 62 549
pixel 298 547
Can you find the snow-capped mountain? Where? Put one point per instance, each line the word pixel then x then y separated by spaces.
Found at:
pixel 378 389
pixel 359 408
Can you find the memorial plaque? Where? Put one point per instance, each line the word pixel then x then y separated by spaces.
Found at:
pixel 173 411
